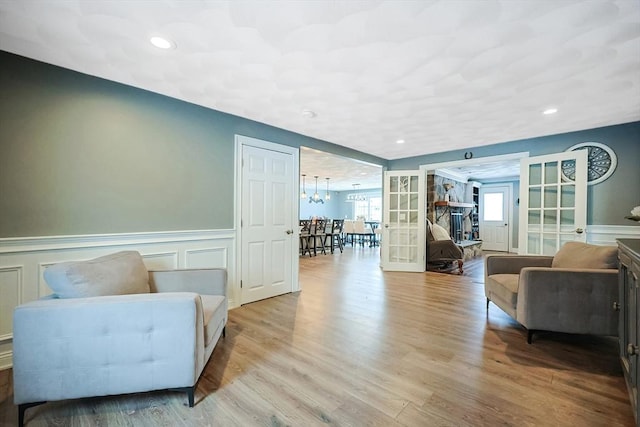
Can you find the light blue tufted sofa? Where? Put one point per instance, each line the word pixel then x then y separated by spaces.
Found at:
pixel 114 328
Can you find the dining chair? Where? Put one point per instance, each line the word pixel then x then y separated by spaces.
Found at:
pixel 363 232
pixel 318 232
pixel 348 231
pixel 305 236
pixel 334 234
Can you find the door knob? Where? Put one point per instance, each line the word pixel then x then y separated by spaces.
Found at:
pixel 632 350
pixel 579 230
pixel 616 306
pixel 289 231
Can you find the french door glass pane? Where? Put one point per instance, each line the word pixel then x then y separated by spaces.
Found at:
pixel 535 174
pixel 550 197
pixel 551 172
pixel 568 196
pixel 535 198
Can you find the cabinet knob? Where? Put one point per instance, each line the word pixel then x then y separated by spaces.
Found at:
pixel 632 350
pixel 616 306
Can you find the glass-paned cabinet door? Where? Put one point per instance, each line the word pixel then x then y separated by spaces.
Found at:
pixel 403 238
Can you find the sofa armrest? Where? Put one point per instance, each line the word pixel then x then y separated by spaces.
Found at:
pixel 203 281
pixel 512 264
pixel 568 300
pixel 81 347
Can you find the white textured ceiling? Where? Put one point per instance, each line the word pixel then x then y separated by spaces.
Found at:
pixel 342 172
pixel 439 74
pixel 488 171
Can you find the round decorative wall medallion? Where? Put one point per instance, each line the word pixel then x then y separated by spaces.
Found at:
pixel 601 162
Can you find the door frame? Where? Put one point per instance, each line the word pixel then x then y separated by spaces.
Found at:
pixel 240 142
pixel 510 216
pixel 473 162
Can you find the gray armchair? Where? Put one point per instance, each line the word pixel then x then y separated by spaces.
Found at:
pixel 442 251
pixel 571 292
pixel 113 327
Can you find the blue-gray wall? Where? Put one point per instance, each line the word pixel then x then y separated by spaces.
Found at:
pixel 329 209
pixel 83 155
pixel 608 202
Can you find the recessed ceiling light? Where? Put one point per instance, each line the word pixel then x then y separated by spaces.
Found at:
pixel 550 111
pixel 400 141
pixel 162 43
pixel 308 114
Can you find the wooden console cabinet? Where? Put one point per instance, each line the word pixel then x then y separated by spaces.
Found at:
pixel 629 320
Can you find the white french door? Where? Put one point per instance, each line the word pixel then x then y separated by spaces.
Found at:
pixel 268 189
pixel 494 217
pixel 553 201
pixel 403 224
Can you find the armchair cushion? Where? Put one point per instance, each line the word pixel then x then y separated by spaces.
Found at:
pixel 439 232
pixel 507 288
pixel 214 317
pixel 120 273
pixel 584 255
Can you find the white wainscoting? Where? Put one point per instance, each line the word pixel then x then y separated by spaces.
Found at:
pixel 23 261
pixel 607 234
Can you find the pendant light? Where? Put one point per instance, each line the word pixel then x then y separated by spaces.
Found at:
pixel 303 195
pixel 327 196
pixel 316 196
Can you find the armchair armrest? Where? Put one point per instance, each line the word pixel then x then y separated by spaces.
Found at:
pixel 512 264
pixel 97 346
pixel 203 281
pixel 568 300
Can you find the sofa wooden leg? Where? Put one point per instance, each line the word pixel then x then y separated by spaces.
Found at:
pixel 224 332
pixel 487 304
pixel 460 262
pixel 22 408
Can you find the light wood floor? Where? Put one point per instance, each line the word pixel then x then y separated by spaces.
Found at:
pixel 360 347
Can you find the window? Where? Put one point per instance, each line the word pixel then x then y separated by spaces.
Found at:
pixel 492 205
pixel 371 208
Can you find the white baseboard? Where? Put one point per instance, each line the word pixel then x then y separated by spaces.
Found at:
pixel 23 261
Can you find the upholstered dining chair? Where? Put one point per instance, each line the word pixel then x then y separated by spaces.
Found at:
pixel 363 232
pixel 348 231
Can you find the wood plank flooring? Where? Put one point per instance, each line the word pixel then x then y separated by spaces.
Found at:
pixel 361 347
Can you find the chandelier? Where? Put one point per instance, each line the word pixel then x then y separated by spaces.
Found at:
pixel 356 197
pixel 316 197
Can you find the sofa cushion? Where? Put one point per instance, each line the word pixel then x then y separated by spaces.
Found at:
pixel 215 312
pixel 505 286
pixel 120 273
pixel 584 255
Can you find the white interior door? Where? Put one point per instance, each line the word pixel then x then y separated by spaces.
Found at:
pixel 553 201
pixel 267 223
pixel 494 217
pixel 403 225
